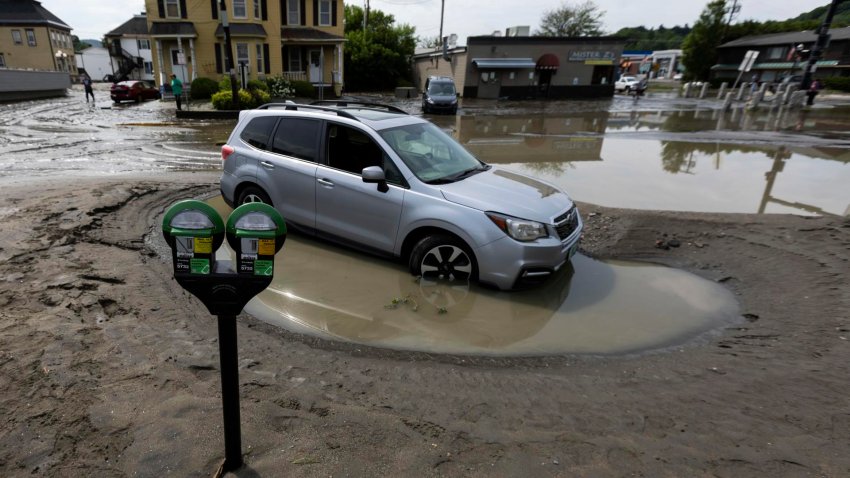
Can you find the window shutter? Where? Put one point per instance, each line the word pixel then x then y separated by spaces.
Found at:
pixel 304 12
pixel 160 6
pixel 283 12
pixel 218 57
pixel 265 10
pixel 315 13
pixel 267 59
pixel 214 6
pixel 183 9
pixel 333 12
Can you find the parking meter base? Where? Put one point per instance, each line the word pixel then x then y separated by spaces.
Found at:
pixel 223 292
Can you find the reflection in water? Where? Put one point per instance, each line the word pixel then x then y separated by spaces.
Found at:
pixel 590 307
pixel 583 155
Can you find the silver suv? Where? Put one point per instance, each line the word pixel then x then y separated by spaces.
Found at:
pixel 375 178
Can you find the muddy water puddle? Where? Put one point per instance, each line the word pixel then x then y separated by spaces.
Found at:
pixel 592 307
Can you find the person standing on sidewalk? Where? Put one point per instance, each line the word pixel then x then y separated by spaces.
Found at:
pixel 177 89
pixel 814 89
pixel 88 88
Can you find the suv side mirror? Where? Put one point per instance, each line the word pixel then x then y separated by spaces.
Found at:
pixel 375 174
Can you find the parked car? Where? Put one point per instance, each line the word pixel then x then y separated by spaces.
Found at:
pixel 137 91
pixel 788 79
pixel 625 83
pixel 377 179
pixel 678 76
pixel 440 95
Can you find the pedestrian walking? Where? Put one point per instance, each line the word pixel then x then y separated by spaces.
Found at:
pixel 88 88
pixel 814 88
pixel 177 89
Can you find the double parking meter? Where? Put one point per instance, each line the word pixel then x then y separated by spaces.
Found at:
pixel 255 232
pixel 194 231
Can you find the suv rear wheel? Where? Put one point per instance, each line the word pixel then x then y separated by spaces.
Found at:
pixel 254 194
pixel 443 257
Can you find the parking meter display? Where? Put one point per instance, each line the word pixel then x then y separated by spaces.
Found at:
pixel 256 232
pixel 194 231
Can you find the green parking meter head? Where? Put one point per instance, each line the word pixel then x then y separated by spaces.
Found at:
pixel 194 231
pixel 255 232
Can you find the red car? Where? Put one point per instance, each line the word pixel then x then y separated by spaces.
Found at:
pixel 137 91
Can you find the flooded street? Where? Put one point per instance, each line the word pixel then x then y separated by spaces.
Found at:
pixel 682 341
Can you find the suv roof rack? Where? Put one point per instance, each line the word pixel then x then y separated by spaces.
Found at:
pixel 356 103
pixel 291 106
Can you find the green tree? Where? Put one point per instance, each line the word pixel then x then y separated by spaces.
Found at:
pixel 699 50
pixel 377 58
pixel 78 45
pixel 584 19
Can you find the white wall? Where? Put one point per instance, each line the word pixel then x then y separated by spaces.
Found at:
pixel 96 62
pixel 132 47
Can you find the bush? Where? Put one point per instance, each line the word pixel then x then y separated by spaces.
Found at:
pixel 258 97
pixel 304 89
pixel 223 100
pixel 279 87
pixel 254 85
pixel 203 88
pixel 840 83
pixel 404 83
pixel 224 84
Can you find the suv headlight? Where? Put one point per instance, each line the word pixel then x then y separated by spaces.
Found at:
pixel 519 229
pixel 430 100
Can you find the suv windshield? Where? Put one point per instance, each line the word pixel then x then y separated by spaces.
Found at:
pixel 442 88
pixel 432 155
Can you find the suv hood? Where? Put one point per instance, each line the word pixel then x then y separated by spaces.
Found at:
pixel 508 193
pixel 443 98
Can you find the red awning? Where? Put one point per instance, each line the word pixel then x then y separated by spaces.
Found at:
pixel 548 62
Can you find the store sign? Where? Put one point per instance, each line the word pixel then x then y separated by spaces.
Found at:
pixel 592 55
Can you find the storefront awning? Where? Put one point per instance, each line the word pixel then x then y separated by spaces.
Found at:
pixel 503 63
pixel 548 62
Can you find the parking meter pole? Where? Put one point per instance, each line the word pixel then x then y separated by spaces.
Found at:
pixel 230 392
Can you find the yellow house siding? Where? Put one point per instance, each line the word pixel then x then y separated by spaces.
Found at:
pixel 38 57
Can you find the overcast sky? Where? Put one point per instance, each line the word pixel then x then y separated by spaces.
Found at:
pixel 93 18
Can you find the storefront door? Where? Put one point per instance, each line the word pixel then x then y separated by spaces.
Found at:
pixel 489 85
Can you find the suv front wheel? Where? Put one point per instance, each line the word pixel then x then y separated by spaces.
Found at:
pixel 443 257
pixel 253 194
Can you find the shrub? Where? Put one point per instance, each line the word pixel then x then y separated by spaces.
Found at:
pixel 258 97
pixel 279 87
pixel 203 88
pixel 304 89
pixel 404 83
pixel 224 84
pixel 254 85
pixel 223 100
pixel 840 83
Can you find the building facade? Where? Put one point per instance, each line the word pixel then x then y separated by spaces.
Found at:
pixel 783 54
pixel 541 67
pixel 430 62
pixel 298 39
pixel 32 38
pixel 130 54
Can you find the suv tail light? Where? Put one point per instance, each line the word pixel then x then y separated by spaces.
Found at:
pixel 226 151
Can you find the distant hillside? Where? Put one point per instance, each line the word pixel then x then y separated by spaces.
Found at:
pixel 95 43
pixel 842 14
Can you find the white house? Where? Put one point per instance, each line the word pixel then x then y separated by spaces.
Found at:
pixel 95 62
pixel 130 48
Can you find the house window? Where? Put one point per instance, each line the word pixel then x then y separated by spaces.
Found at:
pixel 172 8
pixel 776 53
pixel 30 36
pixel 293 12
pixel 242 53
pixel 257 9
pixel 325 13
pixel 295 60
pixel 2 61
pixel 239 9
pixel 143 44
pixel 260 59
pixel 149 68
pixel 16 37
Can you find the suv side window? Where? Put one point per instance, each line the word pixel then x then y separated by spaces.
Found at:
pixel 257 131
pixel 352 150
pixel 297 137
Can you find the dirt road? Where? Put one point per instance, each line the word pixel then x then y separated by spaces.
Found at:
pixel 108 368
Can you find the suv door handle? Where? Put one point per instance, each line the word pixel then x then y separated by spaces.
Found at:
pixel 325 182
pixel 267 164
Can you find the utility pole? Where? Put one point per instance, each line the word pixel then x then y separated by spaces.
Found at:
pixel 820 44
pixel 228 54
pixel 440 40
pixel 366 16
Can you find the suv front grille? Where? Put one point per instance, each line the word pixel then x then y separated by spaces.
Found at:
pixel 567 223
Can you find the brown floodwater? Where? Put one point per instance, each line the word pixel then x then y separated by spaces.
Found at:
pixel 593 307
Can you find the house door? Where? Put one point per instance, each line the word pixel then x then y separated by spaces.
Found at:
pixel 316 66
pixel 178 64
pixel 489 85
